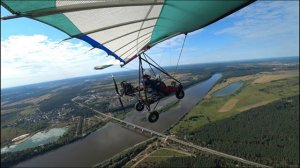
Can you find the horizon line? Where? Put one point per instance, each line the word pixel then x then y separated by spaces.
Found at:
pixel 122 70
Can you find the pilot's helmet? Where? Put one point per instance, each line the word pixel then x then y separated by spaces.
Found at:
pixel 147 74
pixel 157 77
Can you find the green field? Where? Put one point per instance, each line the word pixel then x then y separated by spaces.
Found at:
pixel 8 133
pixel 160 156
pixel 167 152
pixel 201 160
pixel 50 104
pixel 259 122
pixel 268 134
pixel 249 96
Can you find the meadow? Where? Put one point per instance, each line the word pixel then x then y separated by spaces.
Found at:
pixel 251 95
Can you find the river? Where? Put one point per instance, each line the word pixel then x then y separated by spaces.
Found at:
pixel 112 138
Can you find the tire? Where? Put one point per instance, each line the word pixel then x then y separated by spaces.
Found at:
pixel 139 106
pixel 153 116
pixel 180 94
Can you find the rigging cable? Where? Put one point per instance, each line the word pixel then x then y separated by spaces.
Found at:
pixel 160 68
pixel 149 65
pixel 180 53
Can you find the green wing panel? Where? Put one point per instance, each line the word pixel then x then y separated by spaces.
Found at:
pixel 61 22
pixel 173 17
pixel 22 6
pixel 182 17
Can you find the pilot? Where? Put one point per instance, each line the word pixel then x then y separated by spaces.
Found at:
pixel 155 85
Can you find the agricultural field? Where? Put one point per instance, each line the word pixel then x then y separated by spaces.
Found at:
pixel 37 107
pixel 170 155
pixel 268 134
pixel 259 122
pixel 250 95
pixel 159 156
pixel 51 104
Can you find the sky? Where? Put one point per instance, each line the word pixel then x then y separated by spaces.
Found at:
pixel 31 52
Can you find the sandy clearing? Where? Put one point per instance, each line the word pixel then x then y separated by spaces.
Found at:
pixel 38 99
pixel 241 109
pixel 4 102
pixel 230 104
pixel 268 77
pixel 30 100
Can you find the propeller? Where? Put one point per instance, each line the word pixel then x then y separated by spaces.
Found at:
pixel 118 93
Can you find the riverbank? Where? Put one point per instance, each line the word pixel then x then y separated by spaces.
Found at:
pixel 113 139
pixel 261 124
pixel 13 158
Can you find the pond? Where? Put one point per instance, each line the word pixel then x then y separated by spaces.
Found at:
pixel 40 138
pixel 228 90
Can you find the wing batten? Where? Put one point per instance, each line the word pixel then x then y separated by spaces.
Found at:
pixel 124 28
pixel 192 16
pixel 112 26
pixel 148 38
pixel 95 44
pixel 127 34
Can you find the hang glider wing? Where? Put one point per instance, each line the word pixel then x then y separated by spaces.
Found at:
pixel 124 28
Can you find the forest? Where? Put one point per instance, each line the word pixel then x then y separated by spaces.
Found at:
pixel 268 134
pixel 62 93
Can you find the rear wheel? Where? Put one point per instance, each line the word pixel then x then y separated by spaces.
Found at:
pixel 139 106
pixel 180 94
pixel 153 116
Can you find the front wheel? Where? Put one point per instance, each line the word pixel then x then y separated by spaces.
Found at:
pixel 180 94
pixel 153 116
pixel 139 106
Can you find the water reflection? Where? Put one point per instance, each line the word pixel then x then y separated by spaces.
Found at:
pixel 228 90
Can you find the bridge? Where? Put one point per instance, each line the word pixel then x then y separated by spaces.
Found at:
pixel 191 145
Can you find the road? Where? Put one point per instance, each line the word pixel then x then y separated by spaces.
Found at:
pixel 189 144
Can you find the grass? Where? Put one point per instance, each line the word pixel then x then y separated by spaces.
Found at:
pixel 249 96
pixel 267 134
pixel 167 152
pixel 268 77
pixel 11 110
pixel 152 160
pixel 161 155
pixel 7 134
pixel 28 111
pixel 230 104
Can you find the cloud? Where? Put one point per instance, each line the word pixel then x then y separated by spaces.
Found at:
pixel 176 41
pixel 170 43
pixel 36 58
pixel 262 29
pixel 263 19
